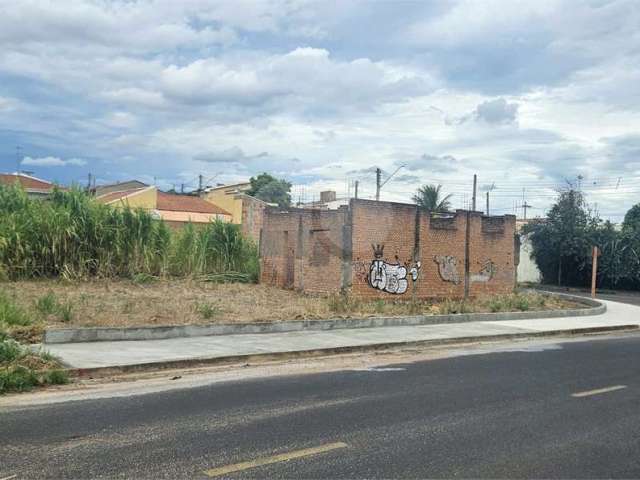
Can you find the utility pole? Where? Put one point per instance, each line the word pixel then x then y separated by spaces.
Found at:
pixel 525 205
pixel 380 185
pixel 594 271
pixel 356 189
pixel 200 183
pixel 487 202
pixel 182 188
pixel 89 182
pixel 473 199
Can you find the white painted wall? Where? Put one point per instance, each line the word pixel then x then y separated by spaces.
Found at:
pixel 527 269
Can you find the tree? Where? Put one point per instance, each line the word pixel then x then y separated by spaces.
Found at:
pixel 562 243
pixel 631 221
pixel 429 197
pixel 270 189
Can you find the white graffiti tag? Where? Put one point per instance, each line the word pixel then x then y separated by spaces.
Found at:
pixel 390 277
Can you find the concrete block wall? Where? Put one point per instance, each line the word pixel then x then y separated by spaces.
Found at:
pixel 388 250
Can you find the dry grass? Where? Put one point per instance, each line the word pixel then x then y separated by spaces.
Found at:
pixel 164 302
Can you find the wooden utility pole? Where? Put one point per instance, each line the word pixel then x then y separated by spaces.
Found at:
pixel 487 202
pixel 356 192
pixel 594 271
pixel 200 183
pixel 378 178
pixel 473 199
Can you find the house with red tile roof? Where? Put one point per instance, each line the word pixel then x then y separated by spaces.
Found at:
pixel 175 210
pixel 35 187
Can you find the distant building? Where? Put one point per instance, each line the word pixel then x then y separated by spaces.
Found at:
pixel 328 201
pixel 245 210
pixel 228 197
pixel 117 187
pixel 528 271
pixel 175 210
pixel 34 187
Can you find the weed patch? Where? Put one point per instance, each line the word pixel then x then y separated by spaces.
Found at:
pixel 11 314
pixel 22 369
pixel 48 304
pixel 207 310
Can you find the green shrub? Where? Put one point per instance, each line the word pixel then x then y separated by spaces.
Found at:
pixel 22 369
pixel 54 377
pixel 19 378
pixel 10 350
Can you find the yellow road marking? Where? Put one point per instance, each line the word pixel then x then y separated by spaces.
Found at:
pixel 588 393
pixel 283 457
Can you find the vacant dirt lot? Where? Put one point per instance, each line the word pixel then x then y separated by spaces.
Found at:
pixel 163 302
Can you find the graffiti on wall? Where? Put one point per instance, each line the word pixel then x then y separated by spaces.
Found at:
pixel 487 272
pixel 390 277
pixel 448 268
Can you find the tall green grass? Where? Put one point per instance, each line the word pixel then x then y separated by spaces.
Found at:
pixel 72 236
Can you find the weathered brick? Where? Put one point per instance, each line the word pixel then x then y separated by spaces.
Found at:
pixel 323 251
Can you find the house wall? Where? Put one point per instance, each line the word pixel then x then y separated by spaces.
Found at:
pixel 228 199
pixel 376 249
pixel 146 199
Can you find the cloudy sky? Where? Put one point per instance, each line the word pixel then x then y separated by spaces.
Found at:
pixel 529 95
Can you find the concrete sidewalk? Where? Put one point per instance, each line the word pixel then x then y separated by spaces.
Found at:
pixel 130 353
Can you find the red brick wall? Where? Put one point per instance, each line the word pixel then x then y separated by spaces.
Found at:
pixel 309 256
pixel 327 260
pixel 492 242
pixel 252 217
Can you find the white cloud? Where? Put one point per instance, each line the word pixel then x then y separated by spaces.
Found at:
pixel 305 78
pixel 528 92
pixel 53 162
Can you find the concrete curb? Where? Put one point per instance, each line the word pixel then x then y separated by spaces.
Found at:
pixel 111 334
pixel 263 357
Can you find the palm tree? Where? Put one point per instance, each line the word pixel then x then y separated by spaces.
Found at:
pixel 429 197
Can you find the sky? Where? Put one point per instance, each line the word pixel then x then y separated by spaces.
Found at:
pixel 529 95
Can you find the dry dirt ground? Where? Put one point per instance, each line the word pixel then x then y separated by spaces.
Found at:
pixel 164 302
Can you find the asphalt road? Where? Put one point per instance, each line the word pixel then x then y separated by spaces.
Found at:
pixel 498 415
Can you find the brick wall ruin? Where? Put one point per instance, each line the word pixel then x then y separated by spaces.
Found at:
pixel 388 250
